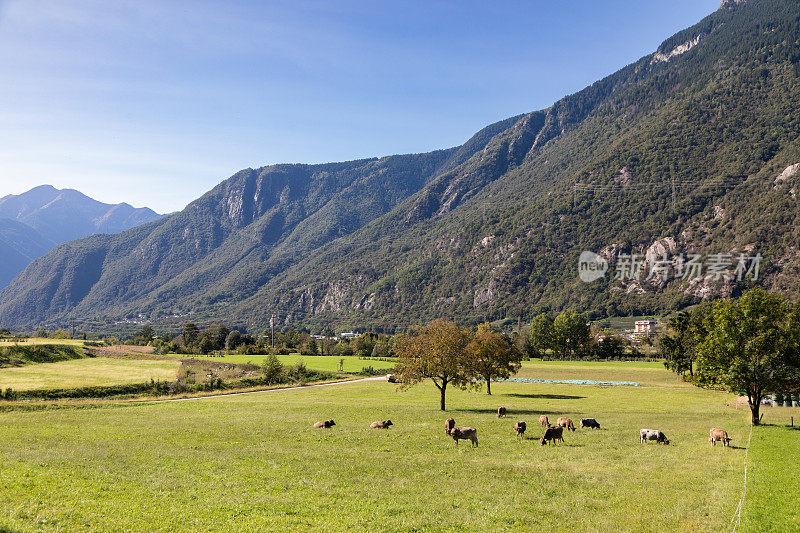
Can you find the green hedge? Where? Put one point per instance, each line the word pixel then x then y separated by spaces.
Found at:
pixel 43 353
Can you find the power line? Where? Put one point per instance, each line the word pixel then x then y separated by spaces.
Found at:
pixel 676 184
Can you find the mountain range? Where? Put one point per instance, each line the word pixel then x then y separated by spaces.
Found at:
pixel 34 222
pixel 693 149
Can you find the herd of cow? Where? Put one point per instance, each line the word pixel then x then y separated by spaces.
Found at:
pixel 551 433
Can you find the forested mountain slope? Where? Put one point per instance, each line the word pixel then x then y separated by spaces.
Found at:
pixel 688 150
pixel 19 245
pixel 33 222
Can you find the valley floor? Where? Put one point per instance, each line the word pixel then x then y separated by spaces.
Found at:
pixel 253 462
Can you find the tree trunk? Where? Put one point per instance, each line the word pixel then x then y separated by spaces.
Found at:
pixel 489 386
pixel 754 407
pixel 442 390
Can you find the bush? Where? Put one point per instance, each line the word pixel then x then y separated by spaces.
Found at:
pixel 299 371
pixel 272 369
pixel 369 371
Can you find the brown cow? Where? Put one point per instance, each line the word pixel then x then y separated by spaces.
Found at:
pixel 565 422
pixel 501 412
pixel 381 424
pixel 553 434
pixel 519 428
pixel 449 424
pixel 465 433
pixel 718 435
pixel 544 421
pixel 325 424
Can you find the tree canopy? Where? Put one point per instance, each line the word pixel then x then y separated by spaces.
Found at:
pixel 492 356
pixel 436 352
pixel 752 347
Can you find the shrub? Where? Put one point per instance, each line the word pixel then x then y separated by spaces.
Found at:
pixel 272 369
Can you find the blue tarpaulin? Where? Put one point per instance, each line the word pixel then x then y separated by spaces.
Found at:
pixel 574 381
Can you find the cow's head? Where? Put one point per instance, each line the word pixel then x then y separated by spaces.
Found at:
pixel 389 423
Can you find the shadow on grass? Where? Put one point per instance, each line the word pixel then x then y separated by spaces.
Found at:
pixel 546 396
pixel 510 413
pixel 782 426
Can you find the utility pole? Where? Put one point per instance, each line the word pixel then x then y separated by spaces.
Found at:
pixel 272 330
pixel 672 178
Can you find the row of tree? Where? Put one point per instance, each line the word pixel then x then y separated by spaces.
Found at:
pixel 448 354
pixel 569 336
pixel 217 338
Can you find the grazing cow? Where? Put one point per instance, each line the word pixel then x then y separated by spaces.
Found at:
pixel 565 422
pixel 449 424
pixel 501 412
pixel 519 428
pixel 589 423
pixel 553 434
pixel 719 435
pixel 325 424
pixel 381 424
pixel 544 421
pixel 465 433
pixel 653 434
pixel 391 378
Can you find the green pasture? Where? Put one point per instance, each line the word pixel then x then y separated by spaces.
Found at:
pixel 773 492
pixel 253 462
pixel 86 372
pixel 315 362
pixel 35 341
pixel 648 374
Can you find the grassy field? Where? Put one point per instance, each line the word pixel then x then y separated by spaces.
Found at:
pixel 644 373
pixel 42 340
pixel 315 362
pixel 253 463
pixel 773 492
pixel 86 372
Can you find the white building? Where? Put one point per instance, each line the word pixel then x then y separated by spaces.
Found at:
pixel 644 327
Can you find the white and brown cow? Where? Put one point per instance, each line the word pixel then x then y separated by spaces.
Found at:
pixel 653 434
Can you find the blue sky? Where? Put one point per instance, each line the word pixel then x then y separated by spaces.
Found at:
pixel 154 103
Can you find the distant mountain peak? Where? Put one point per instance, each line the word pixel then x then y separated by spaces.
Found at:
pixel 67 214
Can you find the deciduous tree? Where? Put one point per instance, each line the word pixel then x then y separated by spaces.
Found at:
pixel 437 352
pixel 492 356
pixel 541 335
pixel 752 347
pixel 679 346
pixel 570 335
